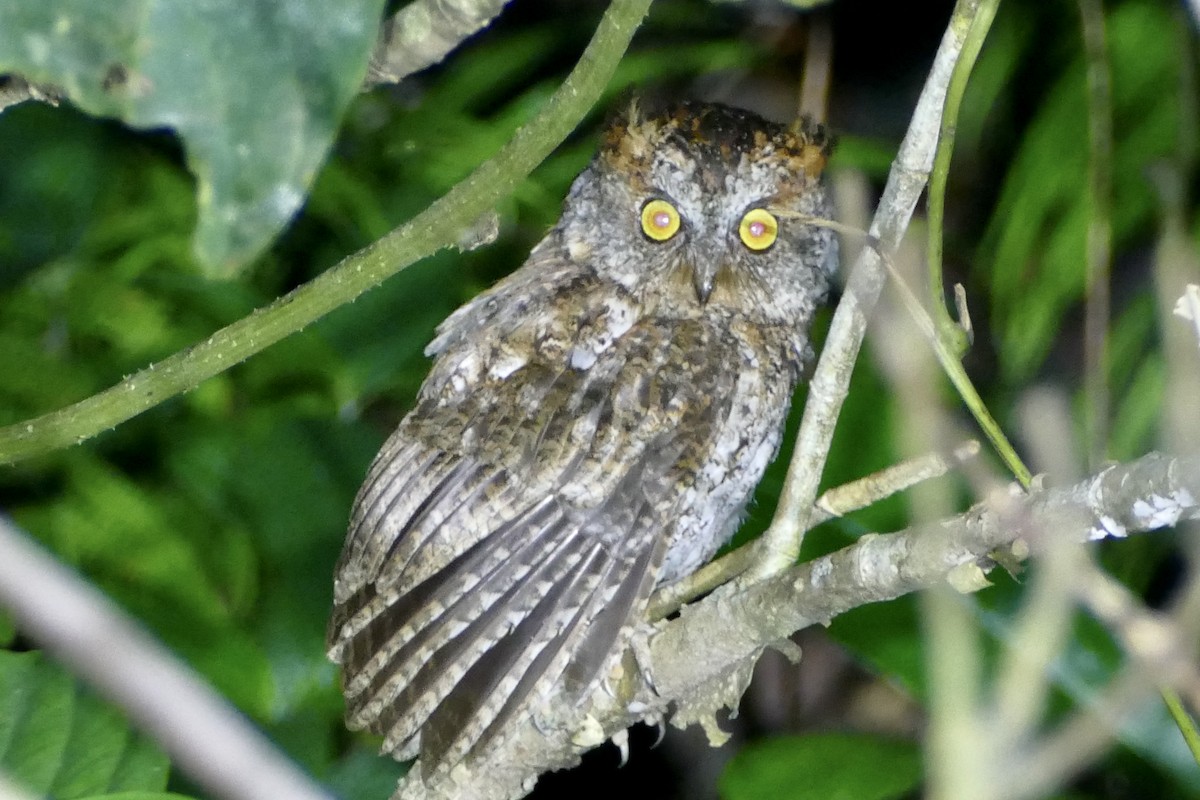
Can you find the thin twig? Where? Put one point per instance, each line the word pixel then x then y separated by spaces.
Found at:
pixel 950 362
pixel 1183 721
pixel 889 481
pixel 955 755
pixel 1150 639
pixel 438 226
pixel 1075 743
pixel 818 67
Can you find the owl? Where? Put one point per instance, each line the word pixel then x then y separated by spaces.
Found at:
pixel 591 429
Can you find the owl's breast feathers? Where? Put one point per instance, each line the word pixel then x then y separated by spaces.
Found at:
pixel 567 454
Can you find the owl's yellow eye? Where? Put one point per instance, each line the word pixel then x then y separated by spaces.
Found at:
pixel 758 229
pixel 660 220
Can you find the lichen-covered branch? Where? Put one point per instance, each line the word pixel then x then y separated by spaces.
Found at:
pixel 735 624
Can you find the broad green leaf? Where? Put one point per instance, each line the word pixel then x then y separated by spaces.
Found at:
pixel 830 766
pixel 254 89
pixel 57 739
pixel 54 165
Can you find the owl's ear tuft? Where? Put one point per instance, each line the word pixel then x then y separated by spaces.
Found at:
pixel 627 112
pixel 813 144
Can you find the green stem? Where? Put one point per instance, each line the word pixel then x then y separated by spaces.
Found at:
pixel 948 328
pixel 954 370
pixel 1183 721
pixel 995 434
pixel 950 338
pixel 436 227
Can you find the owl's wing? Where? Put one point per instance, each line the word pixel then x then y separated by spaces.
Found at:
pixel 506 540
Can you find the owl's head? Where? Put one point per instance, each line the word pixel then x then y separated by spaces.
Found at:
pixel 693 209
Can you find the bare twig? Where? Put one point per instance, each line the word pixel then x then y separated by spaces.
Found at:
pixel 889 481
pixel 201 731
pixel 1073 745
pixel 1150 639
pixel 1183 721
pixel 947 357
pixel 954 333
pixel 818 68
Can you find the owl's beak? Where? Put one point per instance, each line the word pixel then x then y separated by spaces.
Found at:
pixel 704 277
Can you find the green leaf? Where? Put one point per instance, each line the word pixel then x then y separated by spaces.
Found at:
pixel 58 740
pixel 255 90
pixel 831 766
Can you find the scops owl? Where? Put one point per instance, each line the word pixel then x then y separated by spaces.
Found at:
pixel 591 429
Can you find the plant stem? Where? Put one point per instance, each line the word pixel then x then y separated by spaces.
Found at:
pixel 952 331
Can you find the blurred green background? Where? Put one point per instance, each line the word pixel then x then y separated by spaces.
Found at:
pixel 216 517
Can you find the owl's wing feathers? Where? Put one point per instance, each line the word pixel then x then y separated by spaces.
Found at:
pixel 509 535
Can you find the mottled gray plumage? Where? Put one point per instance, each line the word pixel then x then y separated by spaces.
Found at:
pixel 591 429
